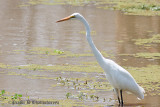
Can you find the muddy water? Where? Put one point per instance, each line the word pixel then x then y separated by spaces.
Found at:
pixel 22 28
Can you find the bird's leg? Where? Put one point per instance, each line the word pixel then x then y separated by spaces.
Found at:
pixel 117 93
pixel 121 97
pixel 119 100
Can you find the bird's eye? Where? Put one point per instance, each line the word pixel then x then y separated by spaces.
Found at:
pixel 73 17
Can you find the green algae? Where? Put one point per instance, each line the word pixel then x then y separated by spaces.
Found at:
pixel 55 68
pixel 92 32
pixel 148 55
pixel 5 66
pixel 147 41
pixel 30 76
pixel 56 2
pixel 70 54
pixel 90 63
pixel 45 51
pixel 44 2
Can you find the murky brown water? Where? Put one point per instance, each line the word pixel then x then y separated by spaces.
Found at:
pixel 22 28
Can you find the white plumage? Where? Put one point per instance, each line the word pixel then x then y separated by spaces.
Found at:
pixel 121 79
pixel 117 76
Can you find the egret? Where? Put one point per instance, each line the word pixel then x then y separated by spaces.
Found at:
pixel 118 77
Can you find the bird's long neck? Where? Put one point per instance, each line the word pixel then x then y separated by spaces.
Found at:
pixel 95 51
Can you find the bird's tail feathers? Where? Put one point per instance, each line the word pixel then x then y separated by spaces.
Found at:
pixel 141 93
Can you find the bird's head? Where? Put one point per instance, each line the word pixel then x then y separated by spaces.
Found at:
pixel 72 16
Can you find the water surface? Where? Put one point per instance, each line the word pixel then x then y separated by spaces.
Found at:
pixel 24 28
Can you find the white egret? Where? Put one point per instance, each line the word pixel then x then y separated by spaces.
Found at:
pixel 118 77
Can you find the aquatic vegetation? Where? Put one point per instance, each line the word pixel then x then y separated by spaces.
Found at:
pixel 83 96
pixel 86 87
pixel 4 65
pixel 17 96
pixel 148 76
pixel 45 2
pixel 68 95
pixel 62 54
pixel 56 2
pixel 84 32
pixel 58 51
pixel 45 51
pixel 148 55
pixel 146 9
pixel 26 75
pixel 6 96
pixel 94 97
pixel 136 7
pixel 86 84
pixel 69 54
pixel 147 41
pixel 90 63
pixel 18 100
pixel 2 92
pixel 54 68
pixel 51 51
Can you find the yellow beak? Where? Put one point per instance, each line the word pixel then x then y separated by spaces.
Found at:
pixel 64 19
